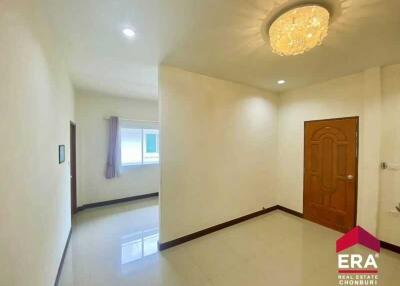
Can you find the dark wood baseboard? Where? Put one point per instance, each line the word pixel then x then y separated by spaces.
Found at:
pixel 384 244
pixel 118 201
pixel 389 246
pixel 290 211
pixel 186 238
pixel 189 237
pixel 60 267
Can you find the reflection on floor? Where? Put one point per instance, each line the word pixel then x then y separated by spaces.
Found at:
pixel 139 245
pixel 117 245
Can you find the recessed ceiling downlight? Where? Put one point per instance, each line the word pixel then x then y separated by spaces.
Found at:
pixel 281 81
pixel 129 33
pixel 299 30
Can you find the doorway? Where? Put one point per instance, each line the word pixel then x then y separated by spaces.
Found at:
pixel 73 167
pixel 331 172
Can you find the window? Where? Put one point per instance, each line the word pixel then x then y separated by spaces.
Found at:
pixel 150 152
pixel 131 146
pixel 139 146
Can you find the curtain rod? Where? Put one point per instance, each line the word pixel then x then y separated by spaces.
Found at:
pixel 133 120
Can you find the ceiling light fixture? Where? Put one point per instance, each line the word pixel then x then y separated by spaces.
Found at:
pixel 299 30
pixel 281 81
pixel 129 32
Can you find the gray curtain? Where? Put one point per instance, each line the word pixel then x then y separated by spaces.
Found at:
pixel 114 149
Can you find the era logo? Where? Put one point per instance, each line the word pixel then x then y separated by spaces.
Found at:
pixel 355 261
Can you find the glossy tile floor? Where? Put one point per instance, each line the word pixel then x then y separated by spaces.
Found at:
pixel 117 245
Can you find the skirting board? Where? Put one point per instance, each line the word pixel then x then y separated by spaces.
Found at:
pixel 389 246
pixel 289 211
pixel 60 267
pixel 186 238
pixel 118 201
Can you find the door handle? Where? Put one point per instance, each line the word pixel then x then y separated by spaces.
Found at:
pixel 350 177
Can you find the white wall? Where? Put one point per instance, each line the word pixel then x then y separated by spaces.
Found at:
pixel 36 105
pixel 91 110
pixel 355 95
pixel 374 95
pixel 218 144
pixel 389 218
pixel 206 112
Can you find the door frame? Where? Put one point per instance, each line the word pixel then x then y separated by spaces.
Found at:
pixel 73 173
pixel 356 161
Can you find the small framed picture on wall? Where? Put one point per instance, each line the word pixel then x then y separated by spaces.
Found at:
pixel 61 154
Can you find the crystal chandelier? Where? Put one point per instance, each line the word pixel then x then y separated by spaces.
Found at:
pixel 299 30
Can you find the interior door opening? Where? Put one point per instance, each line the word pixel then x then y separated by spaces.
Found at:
pixel 331 172
pixel 73 167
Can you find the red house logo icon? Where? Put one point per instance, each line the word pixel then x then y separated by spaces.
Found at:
pixel 356 267
pixel 358 235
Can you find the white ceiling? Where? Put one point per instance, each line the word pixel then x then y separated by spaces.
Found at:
pixel 220 38
pixel 99 57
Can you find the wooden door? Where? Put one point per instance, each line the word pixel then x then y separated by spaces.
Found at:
pixel 330 172
pixel 73 167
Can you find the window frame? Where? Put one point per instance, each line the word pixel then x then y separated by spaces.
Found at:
pixel 142 147
pixel 156 132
